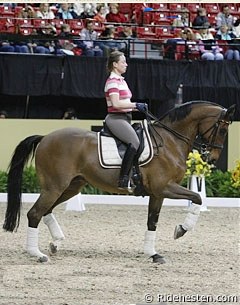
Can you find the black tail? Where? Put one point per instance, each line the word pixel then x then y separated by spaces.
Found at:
pixel 20 157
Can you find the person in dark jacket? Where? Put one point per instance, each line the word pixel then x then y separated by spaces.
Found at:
pixel 201 19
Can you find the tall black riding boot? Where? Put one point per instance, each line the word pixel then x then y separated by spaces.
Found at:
pixel 126 167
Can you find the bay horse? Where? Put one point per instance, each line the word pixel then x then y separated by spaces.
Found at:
pixel 67 159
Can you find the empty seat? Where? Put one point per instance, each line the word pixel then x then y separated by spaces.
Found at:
pixel 145 32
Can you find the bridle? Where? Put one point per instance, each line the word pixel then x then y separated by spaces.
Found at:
pixel 203 145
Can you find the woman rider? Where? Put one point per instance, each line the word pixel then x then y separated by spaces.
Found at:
pixel 118 119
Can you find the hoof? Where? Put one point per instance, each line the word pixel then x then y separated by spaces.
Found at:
pixel 179 232
pixel 43 259
pixel 158 259
pixel 52 248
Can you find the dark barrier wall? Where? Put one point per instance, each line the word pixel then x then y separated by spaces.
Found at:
pixel 155 80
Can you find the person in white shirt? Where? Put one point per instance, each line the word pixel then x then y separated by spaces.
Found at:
pixel 45 12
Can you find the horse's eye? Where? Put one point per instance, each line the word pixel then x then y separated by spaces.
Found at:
pixel 222 132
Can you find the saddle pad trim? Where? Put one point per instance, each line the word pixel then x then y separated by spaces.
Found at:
pixel 142 161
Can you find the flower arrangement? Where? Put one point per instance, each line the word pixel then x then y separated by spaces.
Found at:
pixel 236 175
pixel 196 166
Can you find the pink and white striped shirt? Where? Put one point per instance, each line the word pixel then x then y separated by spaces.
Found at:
pixel 116 84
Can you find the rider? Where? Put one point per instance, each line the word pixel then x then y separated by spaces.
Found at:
pixel 119 116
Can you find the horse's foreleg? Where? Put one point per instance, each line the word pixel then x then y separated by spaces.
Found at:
pixel 175 191
pixel 154 208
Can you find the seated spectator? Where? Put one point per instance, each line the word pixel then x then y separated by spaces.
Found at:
pixel 101 14
pixel 14 47
pixel 89 38
pixel 67 46
pixel 183 19
pixel 204 34
pixel 114 15
pixel 236 28
pixel 80 7
pixel 45 46
pixel 44 12
pixel 3 114
pixel 127 33
pixel 88 11
pixel 210 50
pixel 70 114
pixel 65 12
pixel 108 44
pixel 27 12
pixel 186 37
pixel 5 46
pixel 225 18
pixel 232 51
pixel 201 18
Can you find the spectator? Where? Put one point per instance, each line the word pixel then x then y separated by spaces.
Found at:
pixel 5 46
pixel 80 7
pixel 201 18
pixel 186 36
pixel 45 12
pixel 114 15
pixel 27 12
pixel 203 34
pixel 45 46
pixel 88 43
pixel 236 28
pixel 70 114
pixel 65 12
pixel 66 46
pixel 183 19
pixel 108 43
pixel 101 14
pixel 127 33
pixel 3 114
pixel 88 12
pixel 232 51
pixel 225 18
pixel 210 50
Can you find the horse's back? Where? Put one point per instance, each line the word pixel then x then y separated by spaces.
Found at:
pixel 65 144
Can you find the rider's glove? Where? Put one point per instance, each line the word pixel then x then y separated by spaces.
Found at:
pixel 142 107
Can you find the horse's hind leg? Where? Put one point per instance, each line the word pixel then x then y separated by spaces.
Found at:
pixel 50 220
pixel 42 205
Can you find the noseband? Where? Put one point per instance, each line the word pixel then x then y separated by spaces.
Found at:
pixel 205 145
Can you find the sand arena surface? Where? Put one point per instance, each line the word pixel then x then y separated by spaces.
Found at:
pixel 102 262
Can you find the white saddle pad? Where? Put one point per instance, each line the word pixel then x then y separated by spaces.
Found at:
pixel 108 151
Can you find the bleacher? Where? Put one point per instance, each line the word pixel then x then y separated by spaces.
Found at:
pixel 152 23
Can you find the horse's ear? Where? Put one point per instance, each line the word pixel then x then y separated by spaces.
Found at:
pixel 230 112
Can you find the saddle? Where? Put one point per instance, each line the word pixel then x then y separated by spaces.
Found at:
pixel 111 150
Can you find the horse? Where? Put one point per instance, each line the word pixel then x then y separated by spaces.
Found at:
pixel 67 159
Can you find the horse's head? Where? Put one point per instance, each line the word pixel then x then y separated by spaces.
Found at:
pixel 212 133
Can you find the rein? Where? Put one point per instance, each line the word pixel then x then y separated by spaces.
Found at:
pixel 201 145
pixel 153 130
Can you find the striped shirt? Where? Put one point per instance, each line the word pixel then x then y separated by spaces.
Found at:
pixel 116 84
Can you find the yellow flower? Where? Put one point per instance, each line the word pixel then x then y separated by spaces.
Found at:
pixel 196 165
pixel 236 175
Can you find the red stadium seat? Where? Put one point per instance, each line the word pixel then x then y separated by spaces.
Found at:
pixel 192 7
pixel 23 22
pixel 145 32
pixel 23 30
pixel 160 7
pixel 75 24
pixel 212 8
pixel 39 23
pixel 163 33
pixel 175 6
pixel 161 18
